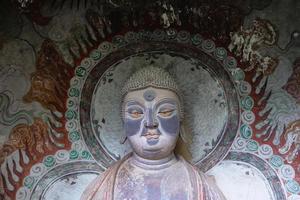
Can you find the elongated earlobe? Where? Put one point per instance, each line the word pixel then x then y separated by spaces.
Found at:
pixel 182 134
pixel 182 146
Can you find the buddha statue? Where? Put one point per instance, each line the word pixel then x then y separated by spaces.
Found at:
pixel 152 112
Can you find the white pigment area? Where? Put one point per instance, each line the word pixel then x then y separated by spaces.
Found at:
pixel 70 187
pixel 239 180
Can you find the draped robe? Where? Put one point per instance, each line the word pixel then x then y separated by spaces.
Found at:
pixel 124 180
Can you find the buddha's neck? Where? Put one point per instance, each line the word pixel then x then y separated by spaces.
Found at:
pixel 154 164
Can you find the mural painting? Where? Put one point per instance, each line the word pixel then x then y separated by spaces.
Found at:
pixel 62 64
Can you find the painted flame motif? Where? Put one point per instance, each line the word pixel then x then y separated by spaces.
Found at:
pixel 26 144
pixel 293 84
pixel 292 137
pixel 50 82
pixel 247 43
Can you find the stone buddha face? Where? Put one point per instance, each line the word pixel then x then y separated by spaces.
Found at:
pixel 152 122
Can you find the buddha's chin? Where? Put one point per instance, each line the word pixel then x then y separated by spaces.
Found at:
pixel 152 141
pixel 152 150
pixel 151 154
pixel 152 146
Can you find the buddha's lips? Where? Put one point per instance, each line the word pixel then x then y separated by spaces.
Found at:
pixel 151 135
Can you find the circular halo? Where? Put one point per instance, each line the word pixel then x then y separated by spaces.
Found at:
pixel 210 100
pixel 58 176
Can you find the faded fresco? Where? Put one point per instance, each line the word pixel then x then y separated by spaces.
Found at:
pixel 63 62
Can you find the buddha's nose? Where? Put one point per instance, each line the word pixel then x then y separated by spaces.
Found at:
pixel 150 121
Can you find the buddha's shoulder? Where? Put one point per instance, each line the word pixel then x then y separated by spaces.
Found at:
pixel 189 166
pixel 207 182
pixel 113 169
pixel 103 183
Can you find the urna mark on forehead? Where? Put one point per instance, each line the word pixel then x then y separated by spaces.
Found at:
pixel 149 95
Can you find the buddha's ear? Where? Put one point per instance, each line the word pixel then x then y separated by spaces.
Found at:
pixel 183 143
pixel 182 149
pixel 185 133
pixel 182 133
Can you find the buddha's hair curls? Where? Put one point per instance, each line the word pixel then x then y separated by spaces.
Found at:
pixel 151 76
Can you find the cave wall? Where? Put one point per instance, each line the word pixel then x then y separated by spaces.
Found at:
pixel 49 49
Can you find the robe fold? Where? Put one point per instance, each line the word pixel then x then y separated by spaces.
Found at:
pixel 103 187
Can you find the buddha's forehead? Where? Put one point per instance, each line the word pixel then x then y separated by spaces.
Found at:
pixel 151 94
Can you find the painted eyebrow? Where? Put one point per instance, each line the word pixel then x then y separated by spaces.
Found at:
pixel 133 103
pixel 165 100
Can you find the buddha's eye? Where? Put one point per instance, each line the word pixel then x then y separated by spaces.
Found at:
pixel 166 112
pixel 135 112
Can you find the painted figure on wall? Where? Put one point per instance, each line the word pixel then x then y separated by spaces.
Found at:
pixel 152 112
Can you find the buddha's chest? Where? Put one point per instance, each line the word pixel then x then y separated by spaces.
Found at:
pixel 172 183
